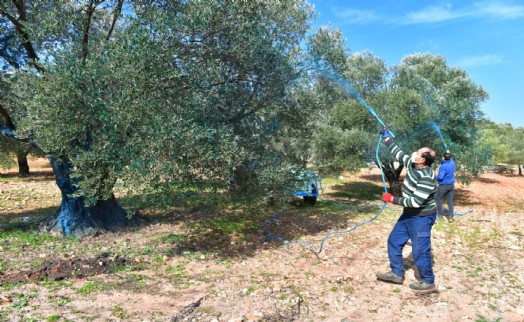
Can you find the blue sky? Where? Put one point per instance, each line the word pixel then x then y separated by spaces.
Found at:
pixel 485 38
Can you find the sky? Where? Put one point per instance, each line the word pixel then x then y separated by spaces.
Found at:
pixel 485 38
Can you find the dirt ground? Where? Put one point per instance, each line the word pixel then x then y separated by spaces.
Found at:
pixel 479 264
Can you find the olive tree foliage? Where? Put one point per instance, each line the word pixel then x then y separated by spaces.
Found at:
pixel 9 148
pixel 176 95
pixel 425 94
pixel 338 129
pixel 507 143
pixel 12 149
pixel 516 152
pixel 22 38
pixel 495 137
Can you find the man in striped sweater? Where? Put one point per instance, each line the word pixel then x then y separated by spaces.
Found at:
pixel 418 216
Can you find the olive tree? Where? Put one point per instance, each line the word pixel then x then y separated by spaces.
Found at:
pixel 338 126
pixel 426 96
pixel 175 95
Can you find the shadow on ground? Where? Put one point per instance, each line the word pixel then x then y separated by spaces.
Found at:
pixel 210 222
pixel 25 220
pixel 357 191
pixel 37 175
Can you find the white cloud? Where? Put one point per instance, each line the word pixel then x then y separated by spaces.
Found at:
pixel 491 8
pixel 498 9
pixel 354 16
pixel 473 61
pixel 431 14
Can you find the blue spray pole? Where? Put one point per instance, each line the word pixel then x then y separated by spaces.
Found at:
pixel 440 134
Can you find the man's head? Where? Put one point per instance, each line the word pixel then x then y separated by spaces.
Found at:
pixel 447 155
pixel 424 156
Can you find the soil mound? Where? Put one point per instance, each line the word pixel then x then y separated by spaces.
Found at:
pixel 58 268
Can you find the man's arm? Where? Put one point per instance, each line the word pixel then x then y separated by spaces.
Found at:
pixel 393 148
pixel 396 151
pixel 441 173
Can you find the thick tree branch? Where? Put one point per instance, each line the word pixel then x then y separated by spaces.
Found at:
pixel 91 8
pixel 10 18
pixel 118 12
pixel 26 43
pixel 8 120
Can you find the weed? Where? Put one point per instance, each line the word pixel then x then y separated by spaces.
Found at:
pixel 159 258
pixel 348 289
pixel 32 239
pixel 4 313
pixel 23 300
pixel 119 312
pixel 267 275
pixel 481 318
pixel 309 274
pixel 250 290
pixel 172 238
pixel 177 271
pixel 147 250
pixel 89 288
pixel 493 307
pixel 60 300
pixel 53 318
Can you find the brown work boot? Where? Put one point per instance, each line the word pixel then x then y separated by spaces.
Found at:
pixel 390 277
pixel 421 286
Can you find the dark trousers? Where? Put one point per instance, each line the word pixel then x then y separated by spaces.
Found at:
pixel 418 229
pixel 445 190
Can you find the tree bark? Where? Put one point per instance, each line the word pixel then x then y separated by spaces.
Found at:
pixel 74 218
pixel 23 165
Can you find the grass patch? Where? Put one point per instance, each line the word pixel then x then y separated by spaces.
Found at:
pixel 22 300
pixel 59 300
pixel 119 312
pixel 89 288
pixel 15 239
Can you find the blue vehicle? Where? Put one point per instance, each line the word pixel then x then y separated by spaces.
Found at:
pixel 310 190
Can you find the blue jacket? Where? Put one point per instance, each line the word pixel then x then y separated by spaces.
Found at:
pixel 446 172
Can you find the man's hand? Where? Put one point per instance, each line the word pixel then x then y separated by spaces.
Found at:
pixel 384 134
pixel 387 197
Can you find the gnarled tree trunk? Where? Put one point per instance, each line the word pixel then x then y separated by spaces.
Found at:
pixel 74 218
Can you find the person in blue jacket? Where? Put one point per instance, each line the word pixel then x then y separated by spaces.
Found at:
pixel 446 186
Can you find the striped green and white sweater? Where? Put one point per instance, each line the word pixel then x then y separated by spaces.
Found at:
pixel 420 185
